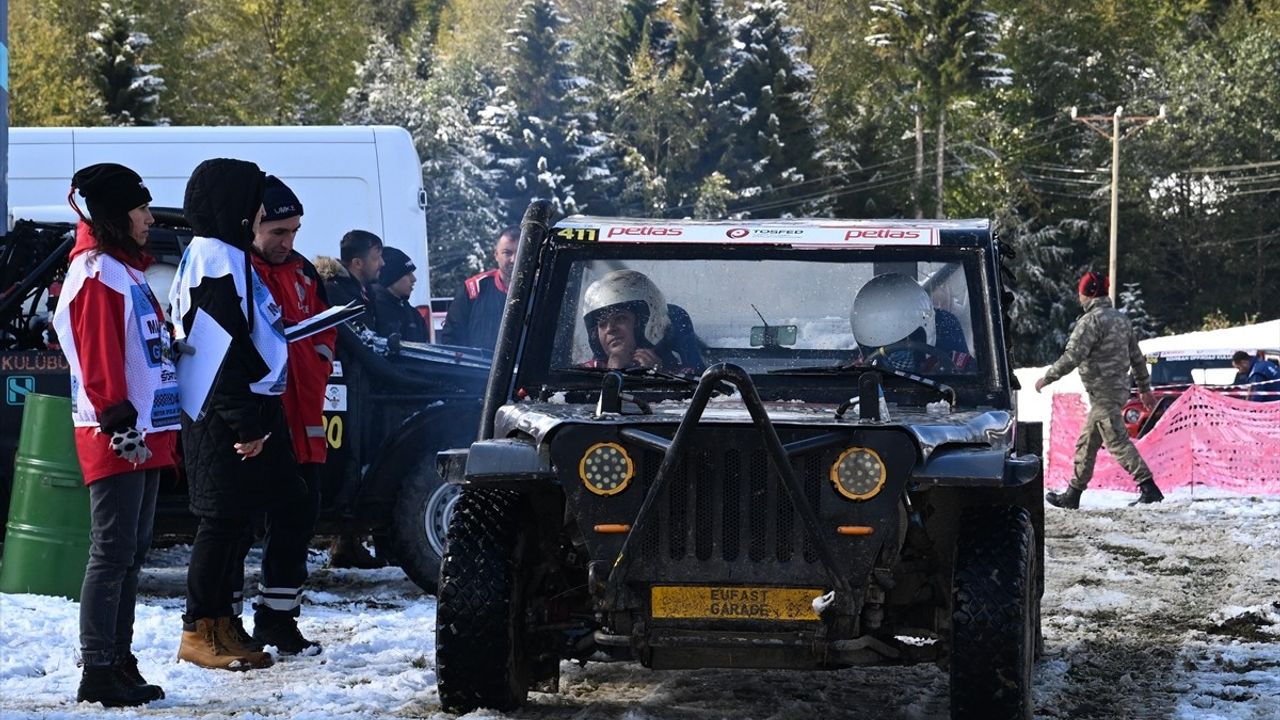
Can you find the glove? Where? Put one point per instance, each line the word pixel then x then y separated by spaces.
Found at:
pixel 130 445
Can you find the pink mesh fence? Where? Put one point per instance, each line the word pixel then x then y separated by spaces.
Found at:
pixel 1204 438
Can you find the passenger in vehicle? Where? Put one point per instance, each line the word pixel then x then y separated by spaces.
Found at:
pixel 895 323
pixel 630 324
pixel 1262 376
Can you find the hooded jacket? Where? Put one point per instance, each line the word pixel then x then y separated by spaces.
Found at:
pixel 216 277
pixel 116 342
pixel 297 287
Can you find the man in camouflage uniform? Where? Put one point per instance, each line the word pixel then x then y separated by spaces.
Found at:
pixel 1104 347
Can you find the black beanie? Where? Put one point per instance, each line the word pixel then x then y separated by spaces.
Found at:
pixel 279 201
pixel 395 266
pixel 110 189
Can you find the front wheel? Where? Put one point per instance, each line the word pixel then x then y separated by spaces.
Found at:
pixel 993 642
pixel 481 652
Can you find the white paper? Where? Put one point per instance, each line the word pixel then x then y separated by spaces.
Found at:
pixel 325 320
pixel 198 371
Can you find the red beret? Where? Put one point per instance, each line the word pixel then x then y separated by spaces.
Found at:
pixel 1093 284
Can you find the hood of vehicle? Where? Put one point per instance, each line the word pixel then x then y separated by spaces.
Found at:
pixel 976 427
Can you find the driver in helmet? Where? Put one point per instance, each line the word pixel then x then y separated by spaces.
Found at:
pixel 895 324
pixel 627 322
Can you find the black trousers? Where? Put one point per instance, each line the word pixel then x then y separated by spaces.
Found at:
pixel 289 528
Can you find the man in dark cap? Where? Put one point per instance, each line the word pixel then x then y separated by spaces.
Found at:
pixel 395 316
pixel 297 287
pixel 1105 348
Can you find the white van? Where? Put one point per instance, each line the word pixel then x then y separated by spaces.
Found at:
pixel 367 178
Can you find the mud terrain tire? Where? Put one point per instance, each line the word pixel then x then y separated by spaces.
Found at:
pixel 993 638
pixel 480 649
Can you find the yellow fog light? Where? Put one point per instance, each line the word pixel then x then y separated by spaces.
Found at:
pixel 606 468
pixel 858 473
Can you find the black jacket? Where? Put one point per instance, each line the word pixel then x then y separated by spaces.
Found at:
pixel 476 312
pixel 221 199
pixel 394 315
pixel 341 288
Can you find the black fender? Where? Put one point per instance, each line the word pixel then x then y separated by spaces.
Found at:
pixel 439 426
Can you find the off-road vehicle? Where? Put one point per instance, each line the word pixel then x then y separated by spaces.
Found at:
pixel 802 456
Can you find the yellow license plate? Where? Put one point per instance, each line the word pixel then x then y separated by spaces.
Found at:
pixel 732 602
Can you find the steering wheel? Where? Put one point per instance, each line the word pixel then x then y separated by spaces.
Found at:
pixel 945 363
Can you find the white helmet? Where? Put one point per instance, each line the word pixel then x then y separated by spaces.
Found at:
pixel 633 291
pixel 889 308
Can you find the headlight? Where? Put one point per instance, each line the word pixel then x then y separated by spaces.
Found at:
pixel 1131 415
pixel 858 473
pixel 606 468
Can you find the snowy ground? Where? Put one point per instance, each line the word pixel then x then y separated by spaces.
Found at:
pixel 1166 612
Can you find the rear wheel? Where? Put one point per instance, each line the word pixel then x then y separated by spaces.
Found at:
pixel 419 522
pixel 481 652
pixel 994 615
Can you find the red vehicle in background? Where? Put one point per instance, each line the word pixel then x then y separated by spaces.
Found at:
pixel 1173 371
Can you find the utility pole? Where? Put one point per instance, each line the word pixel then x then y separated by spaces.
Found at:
pixel 1117 119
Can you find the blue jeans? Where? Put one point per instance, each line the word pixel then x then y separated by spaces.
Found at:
pixel 123 509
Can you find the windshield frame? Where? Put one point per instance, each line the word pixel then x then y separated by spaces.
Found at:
pixel 557 287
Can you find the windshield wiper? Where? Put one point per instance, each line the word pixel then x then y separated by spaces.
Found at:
pixel 648 376
pixel 947 392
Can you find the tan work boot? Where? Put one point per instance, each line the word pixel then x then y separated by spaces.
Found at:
pixel 202 646
pixel 230 639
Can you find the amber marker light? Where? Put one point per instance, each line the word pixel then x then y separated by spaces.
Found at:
pixel 614 529
pixel 855 530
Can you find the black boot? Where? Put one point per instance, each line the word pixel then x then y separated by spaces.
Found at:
pixel 246 640
pixel 1068 499
pixel 107 685
pixel 1148 493
pixel 271 627
pixel 128 667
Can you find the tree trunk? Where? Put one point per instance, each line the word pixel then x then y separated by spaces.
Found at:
pixel 942 154
pixel 917 183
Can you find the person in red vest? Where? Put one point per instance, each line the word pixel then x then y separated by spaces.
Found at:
pixel 476 311
pixel 297 288
pixel 125 411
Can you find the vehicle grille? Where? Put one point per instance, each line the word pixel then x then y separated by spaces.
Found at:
pixel 730 505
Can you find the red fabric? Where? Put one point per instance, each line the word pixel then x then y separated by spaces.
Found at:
pixel 97 461
pixel 473 282
pixel 1093 284
pixel 1204 438
pixel 298 296
pixel 97 324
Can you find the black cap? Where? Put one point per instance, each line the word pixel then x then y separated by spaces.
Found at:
pixel 110 189
pixel 279 201
pixel 395 266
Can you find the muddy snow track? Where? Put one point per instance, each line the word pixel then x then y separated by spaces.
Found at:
pixel 1164 612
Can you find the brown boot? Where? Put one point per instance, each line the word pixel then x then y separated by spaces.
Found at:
pixel 347 551
pixel 230 639
pixel 201 645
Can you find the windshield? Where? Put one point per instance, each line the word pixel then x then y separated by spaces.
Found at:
pixel 1202 371
pixel 795 311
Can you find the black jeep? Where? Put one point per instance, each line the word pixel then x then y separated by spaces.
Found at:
pixel 771 444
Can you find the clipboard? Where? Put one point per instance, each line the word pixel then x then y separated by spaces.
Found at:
pixel 198 367
pixel 332 317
